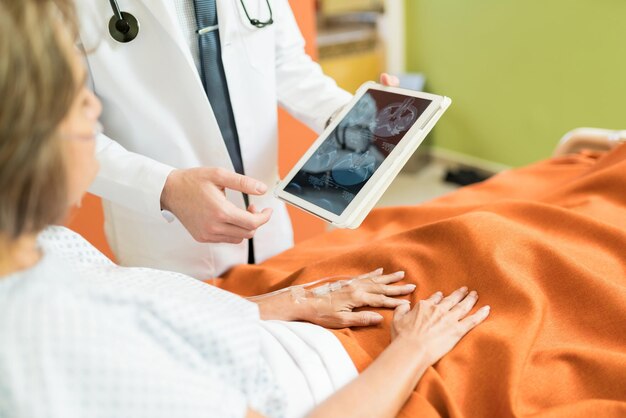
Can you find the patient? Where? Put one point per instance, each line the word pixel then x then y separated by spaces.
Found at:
pixel 80 336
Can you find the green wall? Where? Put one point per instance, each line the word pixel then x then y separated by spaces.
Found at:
pixel 521 73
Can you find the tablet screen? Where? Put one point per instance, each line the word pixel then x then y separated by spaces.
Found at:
pixel 352 153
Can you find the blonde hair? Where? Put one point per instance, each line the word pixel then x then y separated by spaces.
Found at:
pixel 37 87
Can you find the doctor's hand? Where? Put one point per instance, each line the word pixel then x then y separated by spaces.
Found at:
pixel 196 196
pixel 331 305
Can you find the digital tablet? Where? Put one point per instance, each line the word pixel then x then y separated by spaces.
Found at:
pixel 348 168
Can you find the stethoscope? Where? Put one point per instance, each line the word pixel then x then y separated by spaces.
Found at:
pixel 124 27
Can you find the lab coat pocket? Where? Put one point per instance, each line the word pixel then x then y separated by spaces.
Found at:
pixel 258 42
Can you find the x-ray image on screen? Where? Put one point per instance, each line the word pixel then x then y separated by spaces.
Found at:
pixel 356 148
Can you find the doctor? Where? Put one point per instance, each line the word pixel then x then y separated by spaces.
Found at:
pixel 190 90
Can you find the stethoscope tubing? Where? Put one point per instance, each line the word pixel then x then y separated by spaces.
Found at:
pixel 116 9
pixel 124 27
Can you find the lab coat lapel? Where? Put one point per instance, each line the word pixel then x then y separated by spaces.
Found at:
pixel 164 12
pixel 244 50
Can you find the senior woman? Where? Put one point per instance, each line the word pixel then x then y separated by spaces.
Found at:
pixel 82 337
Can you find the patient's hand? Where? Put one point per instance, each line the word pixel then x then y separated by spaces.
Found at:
pixel 331 305
pixel 436 324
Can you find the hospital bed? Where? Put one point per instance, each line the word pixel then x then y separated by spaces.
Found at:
pixel 543 244
pixel 589 138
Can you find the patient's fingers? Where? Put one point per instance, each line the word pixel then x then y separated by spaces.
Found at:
pixel 370 275
pixel 468 323
pixel 355 319
pixel 382 301
pixel 435 298
pixel 385 289
pixel 389 278
pixel 465 306
pixel 400 311
pixel 455 297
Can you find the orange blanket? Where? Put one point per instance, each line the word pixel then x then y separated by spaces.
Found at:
pixel 545 246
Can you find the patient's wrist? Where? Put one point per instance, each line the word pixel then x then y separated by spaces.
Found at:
pixel 282 307
pixel 415 356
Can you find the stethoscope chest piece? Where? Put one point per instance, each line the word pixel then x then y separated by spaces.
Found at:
pixel 125 29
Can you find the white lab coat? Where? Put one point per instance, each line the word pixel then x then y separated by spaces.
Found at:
pixel 157 117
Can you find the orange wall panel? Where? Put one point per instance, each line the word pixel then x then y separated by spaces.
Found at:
pixel 295 138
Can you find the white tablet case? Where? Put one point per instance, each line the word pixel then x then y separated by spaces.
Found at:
pixel 366 205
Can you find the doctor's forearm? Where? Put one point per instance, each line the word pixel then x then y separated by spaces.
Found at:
pixel 129 179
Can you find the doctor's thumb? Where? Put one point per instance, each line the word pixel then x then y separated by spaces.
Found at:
pixel 389 80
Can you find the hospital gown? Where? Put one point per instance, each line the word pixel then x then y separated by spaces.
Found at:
pixel 82 337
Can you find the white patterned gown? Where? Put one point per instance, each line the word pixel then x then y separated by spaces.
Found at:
pixel 83 337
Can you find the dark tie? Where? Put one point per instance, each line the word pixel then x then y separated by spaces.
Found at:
pixel 216 87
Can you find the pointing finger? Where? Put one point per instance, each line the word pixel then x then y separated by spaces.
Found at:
pixel 235 181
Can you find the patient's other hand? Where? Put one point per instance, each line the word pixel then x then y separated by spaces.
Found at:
pixel 333 307
pixel 437 324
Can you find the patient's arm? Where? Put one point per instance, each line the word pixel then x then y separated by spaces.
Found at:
pixel 331 304
pixel 421 336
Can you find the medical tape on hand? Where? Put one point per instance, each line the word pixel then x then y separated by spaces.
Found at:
pixel 311 292
pixel 320 298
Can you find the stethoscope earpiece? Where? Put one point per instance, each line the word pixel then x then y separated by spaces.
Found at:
pixel 123 26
